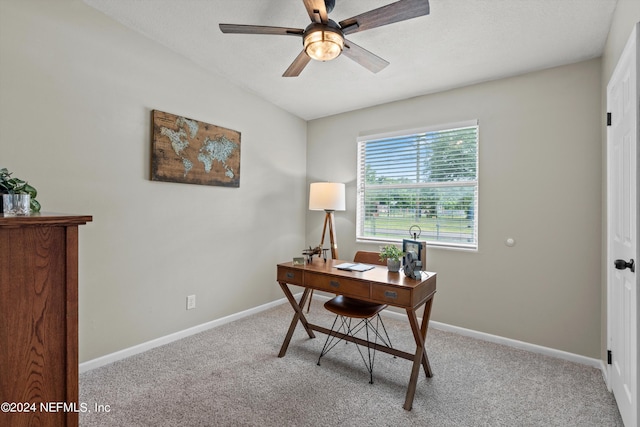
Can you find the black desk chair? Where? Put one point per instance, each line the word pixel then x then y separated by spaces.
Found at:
pixel 347 308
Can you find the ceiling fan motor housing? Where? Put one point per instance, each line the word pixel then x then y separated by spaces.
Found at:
pixel 323 42
pixel 329 5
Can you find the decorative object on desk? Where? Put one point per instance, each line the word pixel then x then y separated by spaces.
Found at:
pixel 412 265
pixel 315 251
pixel 419 247
pixel 413 233
pixel 298 260
pixel 328 197
pixel 9 185
pixel 392 255
pixel 193 152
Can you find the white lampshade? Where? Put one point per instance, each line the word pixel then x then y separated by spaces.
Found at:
pixel 326 196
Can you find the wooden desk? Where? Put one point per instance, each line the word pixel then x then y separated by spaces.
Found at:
pixel 376 285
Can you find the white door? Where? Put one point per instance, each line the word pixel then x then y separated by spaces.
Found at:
pixel 622 279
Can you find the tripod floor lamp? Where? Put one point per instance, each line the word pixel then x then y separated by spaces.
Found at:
pixel 328 197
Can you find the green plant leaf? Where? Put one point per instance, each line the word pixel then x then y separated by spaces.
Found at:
pixel 30 190
pixel 35 205
pixel 390 252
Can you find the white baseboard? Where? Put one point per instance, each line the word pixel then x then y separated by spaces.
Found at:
pixel 596 363
pixel 140 348
pixel 145 346
pixel 534 348
pixel 605 374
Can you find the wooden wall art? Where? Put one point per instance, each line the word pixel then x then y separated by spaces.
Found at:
pixel 193 152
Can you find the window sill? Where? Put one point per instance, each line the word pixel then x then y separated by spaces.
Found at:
pixel 430 244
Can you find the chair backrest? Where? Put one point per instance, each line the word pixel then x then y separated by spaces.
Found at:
pixel 367 257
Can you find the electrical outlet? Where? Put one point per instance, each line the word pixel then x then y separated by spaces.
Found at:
pixel 191 302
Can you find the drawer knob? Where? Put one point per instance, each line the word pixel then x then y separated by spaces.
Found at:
pixel 290 275
pixel 391 294
pixel 334 284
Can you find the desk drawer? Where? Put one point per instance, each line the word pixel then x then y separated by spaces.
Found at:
pixel 338 285
pixel 391 295
pixel 290 275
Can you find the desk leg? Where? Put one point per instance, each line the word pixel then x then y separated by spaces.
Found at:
pixel 299 316
pixel 423 333
pixel 420 358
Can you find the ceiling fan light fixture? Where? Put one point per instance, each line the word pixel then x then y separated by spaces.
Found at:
pixel 323 44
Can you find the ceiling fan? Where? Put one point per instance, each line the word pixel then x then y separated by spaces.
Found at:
pixel 323 39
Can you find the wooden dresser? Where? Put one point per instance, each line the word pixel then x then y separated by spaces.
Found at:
pixel 39 319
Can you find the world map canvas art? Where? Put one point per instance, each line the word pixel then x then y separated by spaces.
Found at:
pixel 194 152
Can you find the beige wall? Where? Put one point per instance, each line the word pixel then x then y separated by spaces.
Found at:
pixel 76 91
pixel 626 15
pixel 540 183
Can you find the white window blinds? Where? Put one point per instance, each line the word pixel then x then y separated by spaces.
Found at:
pixel 427 178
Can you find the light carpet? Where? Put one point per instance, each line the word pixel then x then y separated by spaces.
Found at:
pixel 231 376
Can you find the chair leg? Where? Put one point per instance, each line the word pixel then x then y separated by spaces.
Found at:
pixel 388 340
pixel 328 341
pixel 332 340
pixel 345 328
pixel 385 339
pixel 371 360
pixel 366 324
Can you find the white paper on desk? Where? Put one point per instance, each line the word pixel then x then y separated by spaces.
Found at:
pixel 354 267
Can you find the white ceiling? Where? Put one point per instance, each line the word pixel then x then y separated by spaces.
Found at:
pixel 460 42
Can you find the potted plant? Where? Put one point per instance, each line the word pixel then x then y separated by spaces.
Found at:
pixel 9 185
pixel 392 255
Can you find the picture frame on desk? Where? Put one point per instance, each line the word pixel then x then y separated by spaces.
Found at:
pixel 420 247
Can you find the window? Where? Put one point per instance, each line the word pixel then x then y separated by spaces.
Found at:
pixel 426 177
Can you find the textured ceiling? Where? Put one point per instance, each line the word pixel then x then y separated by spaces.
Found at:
pixel 460 42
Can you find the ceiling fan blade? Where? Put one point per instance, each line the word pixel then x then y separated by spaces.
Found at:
pixel 394 12
pixel 297 65
pixel 317 11
pixel 362 56
pixel 259 29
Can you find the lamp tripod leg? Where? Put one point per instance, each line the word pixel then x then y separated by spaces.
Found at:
pixel 328 220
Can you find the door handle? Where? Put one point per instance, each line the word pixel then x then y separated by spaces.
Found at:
pixel 622 264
